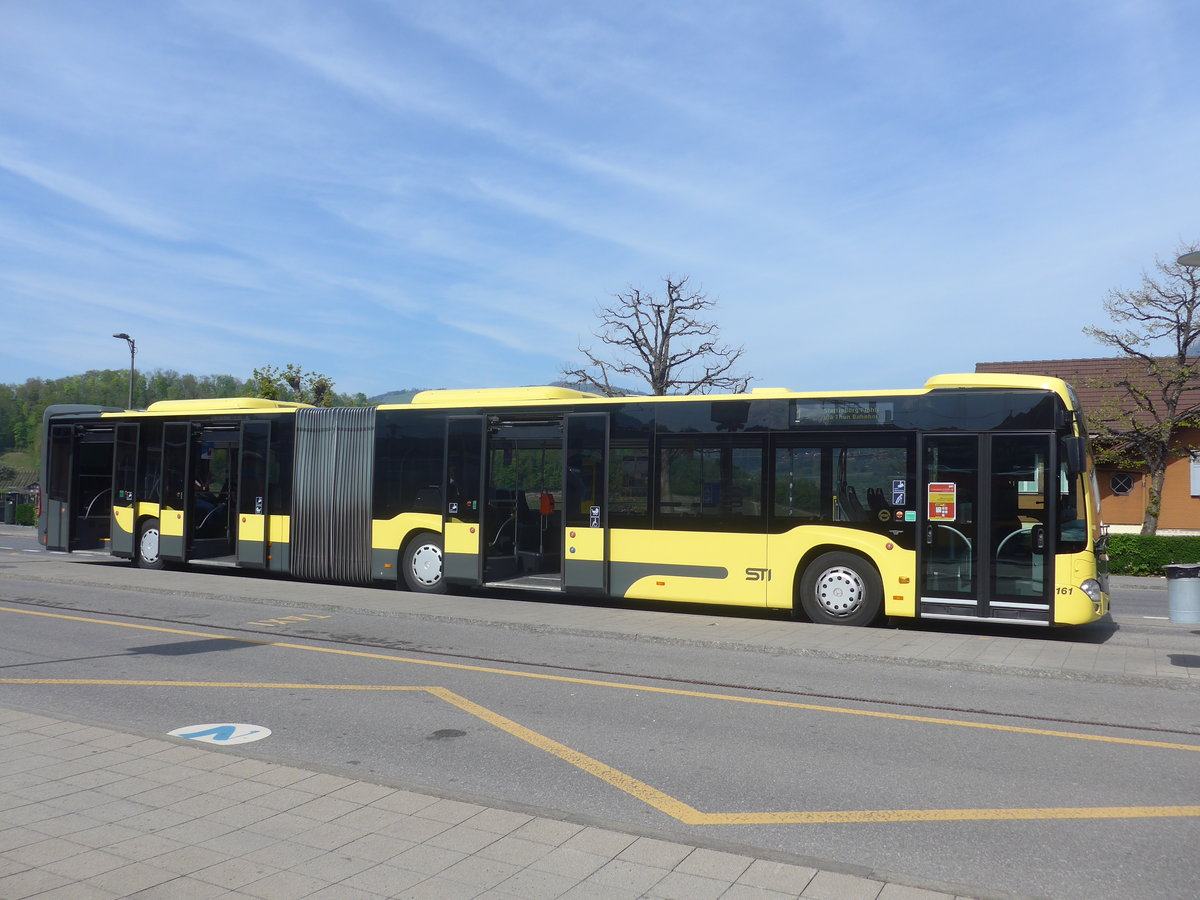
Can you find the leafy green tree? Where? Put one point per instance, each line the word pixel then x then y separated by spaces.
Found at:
pixel 294 384
pixel 8 418
pixel 22 405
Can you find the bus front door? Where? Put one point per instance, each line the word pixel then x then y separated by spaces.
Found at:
pixel 462 526
pixel 585 507
pixel 1024 491
pixel 986 552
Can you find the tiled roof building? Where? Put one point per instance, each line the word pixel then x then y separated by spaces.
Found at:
pixel 1123 490
pixel 1085 374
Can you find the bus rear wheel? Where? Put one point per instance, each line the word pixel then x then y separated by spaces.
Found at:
pixel 422 564
pixel 841 589
pixel 148 553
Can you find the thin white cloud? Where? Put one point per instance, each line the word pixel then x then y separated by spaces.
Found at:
pixel 86 193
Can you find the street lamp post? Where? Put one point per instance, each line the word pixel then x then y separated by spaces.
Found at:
pixel 132 353
pixel 1190 259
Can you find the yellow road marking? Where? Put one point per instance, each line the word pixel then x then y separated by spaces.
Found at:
pixel 661 801
pixel 286 620
pixel 649 689
pixel 652 796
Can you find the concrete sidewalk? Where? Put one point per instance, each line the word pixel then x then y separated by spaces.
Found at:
pixel 88 813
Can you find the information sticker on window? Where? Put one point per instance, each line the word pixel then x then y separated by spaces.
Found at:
pixel 943 500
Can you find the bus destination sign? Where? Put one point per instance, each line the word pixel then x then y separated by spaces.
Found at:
pixel 843 412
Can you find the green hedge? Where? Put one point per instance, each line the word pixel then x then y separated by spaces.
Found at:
pixel 26 514
pixel 1146 554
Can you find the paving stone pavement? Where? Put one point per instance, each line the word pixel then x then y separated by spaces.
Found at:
pixel 89 813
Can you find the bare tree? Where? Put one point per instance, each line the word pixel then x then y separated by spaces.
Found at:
pixel 1154 397
pixel 665 343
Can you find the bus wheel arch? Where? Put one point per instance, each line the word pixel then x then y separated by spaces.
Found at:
pixel 839 587
pixel 148 551
pixel 422 563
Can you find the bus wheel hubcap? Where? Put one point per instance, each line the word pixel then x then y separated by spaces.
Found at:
pixel 840 591
pixel 149 545
pixel 427 564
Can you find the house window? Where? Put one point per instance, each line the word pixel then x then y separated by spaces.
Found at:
pixel 1196 473
pixel 1122 483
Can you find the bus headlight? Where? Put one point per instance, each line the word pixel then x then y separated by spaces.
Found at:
pixel 1091 587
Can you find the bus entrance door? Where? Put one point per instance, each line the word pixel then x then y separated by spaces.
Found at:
pixel 124 491
pixel 462 561
pixel 950 501
pixel 78 504
pixel 522 513
pixel 251 524
pixel 56 492
pixel 1024 490
pixel 986 552
pixel 174 516
pixel 585 507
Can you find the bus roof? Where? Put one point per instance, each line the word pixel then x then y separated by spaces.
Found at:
pixel 484 396
pixel 551 394
pixel 218 404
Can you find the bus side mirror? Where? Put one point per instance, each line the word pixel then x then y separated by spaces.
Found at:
pixel 1075 451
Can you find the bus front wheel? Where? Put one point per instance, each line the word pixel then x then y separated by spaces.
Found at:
pixel 422 564
pixel 148 553
pixel 841 589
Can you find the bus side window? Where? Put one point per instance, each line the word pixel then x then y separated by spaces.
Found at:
pixel 152 475
pixel 798 483
pixel 864 478
pixel 712 480
pixel 629 482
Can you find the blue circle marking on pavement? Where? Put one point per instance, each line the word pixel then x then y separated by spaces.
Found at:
pixel 222 733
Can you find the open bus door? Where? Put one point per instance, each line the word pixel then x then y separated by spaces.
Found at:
pixel 78 503
pixel 175 515
pixel 585 507
pixel 56 507
pixel 462 531
pixel 122 530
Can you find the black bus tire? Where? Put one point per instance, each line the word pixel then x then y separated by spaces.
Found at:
pixel 422 564
pixel 841 589
pixel 149 550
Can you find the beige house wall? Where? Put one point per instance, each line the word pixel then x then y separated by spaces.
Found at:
pixel 1180 510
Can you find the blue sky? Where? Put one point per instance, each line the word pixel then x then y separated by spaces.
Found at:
pixel 441 193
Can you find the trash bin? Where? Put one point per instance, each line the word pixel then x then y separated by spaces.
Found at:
pixel 10 508
pixel 1183 593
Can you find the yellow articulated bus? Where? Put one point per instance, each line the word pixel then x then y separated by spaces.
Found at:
pixel 971 498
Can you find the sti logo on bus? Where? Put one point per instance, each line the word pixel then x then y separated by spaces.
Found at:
pixel 758 574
